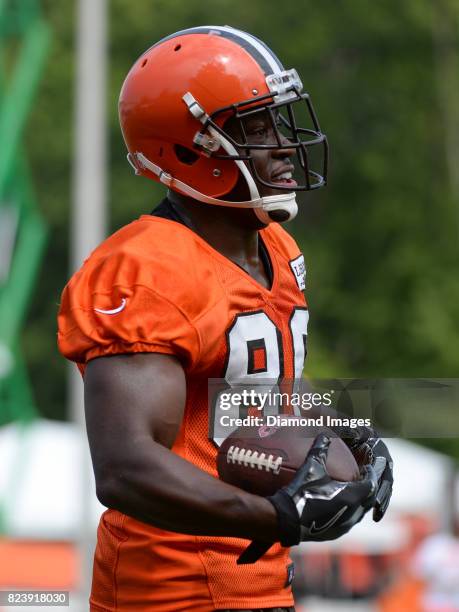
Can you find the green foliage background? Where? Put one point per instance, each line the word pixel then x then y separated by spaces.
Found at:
pixel 381 242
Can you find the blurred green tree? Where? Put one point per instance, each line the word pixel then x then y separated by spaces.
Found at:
pixel 380 242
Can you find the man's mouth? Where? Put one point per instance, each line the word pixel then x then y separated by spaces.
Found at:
pixel 284 179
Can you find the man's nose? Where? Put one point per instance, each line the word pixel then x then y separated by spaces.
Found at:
pixel 286 151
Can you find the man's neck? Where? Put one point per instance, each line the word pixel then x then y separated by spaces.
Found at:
pixel 231 231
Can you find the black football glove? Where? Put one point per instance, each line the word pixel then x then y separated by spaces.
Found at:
pixel 367 447
pixel 313 506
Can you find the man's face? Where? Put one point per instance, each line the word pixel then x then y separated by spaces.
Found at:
pixel 272 165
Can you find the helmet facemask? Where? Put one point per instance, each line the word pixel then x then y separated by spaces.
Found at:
pixel 290 124
pixel 287 134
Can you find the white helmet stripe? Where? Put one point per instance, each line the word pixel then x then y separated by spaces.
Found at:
pixel 265 58
pixel 261 48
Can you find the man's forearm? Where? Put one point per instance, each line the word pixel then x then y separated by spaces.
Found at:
pixel 160 488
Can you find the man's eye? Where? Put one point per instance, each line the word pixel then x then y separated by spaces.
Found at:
pixel 259 131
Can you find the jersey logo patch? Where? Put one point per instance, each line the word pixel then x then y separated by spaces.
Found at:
pixel 113 310
pixel 299 271
pixel 290 574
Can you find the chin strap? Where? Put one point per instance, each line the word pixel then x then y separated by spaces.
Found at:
pixel 138 161
pixel 262 206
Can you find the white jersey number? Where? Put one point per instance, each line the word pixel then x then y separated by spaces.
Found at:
pixel 255 355
pixel 254 333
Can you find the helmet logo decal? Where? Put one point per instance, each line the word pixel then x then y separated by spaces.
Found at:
pixel 285 85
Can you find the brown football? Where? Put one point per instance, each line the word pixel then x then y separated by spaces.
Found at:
pixel 261 460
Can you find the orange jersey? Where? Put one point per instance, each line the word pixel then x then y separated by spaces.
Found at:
pixel 156 286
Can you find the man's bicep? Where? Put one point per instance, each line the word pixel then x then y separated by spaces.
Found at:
pixel 129 397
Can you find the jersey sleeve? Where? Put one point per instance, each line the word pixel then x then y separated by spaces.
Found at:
pixel 115 306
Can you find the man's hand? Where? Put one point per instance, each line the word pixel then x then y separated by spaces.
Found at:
pixel 314 507
pixel 367 447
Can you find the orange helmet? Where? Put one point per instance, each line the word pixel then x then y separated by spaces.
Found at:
pixel 179 94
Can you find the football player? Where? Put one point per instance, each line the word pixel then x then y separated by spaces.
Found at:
pixel 208 285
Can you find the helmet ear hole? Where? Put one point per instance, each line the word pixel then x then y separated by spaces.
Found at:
pixel 185 155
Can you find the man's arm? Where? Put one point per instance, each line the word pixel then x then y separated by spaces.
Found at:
pixel 134 406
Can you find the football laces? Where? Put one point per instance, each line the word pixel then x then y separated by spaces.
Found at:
pixel 253 459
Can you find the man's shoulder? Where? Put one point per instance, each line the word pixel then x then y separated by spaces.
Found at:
pixel 150 244
pixel 156 254
pixel 149 237
pixel 129 297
